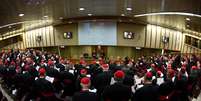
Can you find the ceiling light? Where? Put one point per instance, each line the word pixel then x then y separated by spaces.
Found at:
pixel 187 25
pixel 45 16
pixel 70 22
pixel 61 18
pixel 129 9
pixel 188 19
pixel 122 14
pixel 89 14
pixel 81 9
pixel 9 27
pixel 138 48
pixel 21 14
pixel 169 13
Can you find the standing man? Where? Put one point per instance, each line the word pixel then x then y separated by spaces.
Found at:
pixel 85 94
pixel 117 91
pixel 149 92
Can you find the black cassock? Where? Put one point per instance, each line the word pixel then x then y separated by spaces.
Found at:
pixel 117 92
pixel 85 96
pixel 68 83
pixel 101 81
pixel 44 90
pixel 148 92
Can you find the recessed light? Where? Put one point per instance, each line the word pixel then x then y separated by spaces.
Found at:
pixel 45 16
pixel 188 19
pixel 129 9
pixel 21 14
pixel 122 14
pixel 81 9
pixel 169 13
pixel 187 25
pixel 61 18
pixel 89 14
pixel 70 22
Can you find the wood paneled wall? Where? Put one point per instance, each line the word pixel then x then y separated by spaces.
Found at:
pixel 18 45
pixel 139 34
pixel 154 36
pixel 148 36
pixel 59 32
pixel 46 33
pixel 188 48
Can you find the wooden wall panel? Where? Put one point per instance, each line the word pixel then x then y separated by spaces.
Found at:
pixel 46 34
pixel 37 34
pixel 34 34
pixel 170 34
pixel 162 34
pixel 158 37
pixel 44 37
pixel 174 40
pixel 78 51
pixel 185 48
pixel 59 32
pixel 153 36
pixel 177 40
pixel 52 36
pixel 148 36
pixel 139 37
pixel 121 52
pixel 31 41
